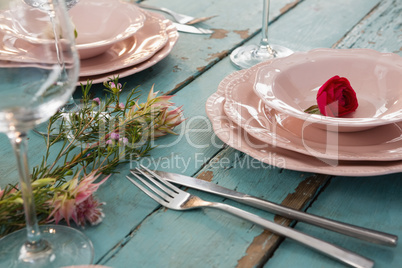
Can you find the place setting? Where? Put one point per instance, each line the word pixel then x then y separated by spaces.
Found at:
pixel 260 111
pixel 269 109
pixel 136 40
pixel 112 38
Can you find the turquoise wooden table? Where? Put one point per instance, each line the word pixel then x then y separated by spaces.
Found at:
pixel 138 232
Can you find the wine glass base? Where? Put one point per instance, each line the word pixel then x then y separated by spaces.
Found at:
pixel 247 56
pixel 67 246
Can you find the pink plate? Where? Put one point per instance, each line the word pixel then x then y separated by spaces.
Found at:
pixel 125 57
pixel 242 106
pixel 290 86
pixel 235 136
pixel 131 51
pixel 101 23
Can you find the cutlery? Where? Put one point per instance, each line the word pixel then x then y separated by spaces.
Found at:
pixel 191 29
pixel 180 18
pixel 172 197
pixel 340 227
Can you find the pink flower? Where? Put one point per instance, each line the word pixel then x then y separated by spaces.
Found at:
pixel 115 88
pixel 89 210
pixel 76 202
pixel 156 110
pixel 124 140
pixel 168 121
pixel 337 97
pixel 121 105
pixel 109 142
pixel 97 100
pixel 114 136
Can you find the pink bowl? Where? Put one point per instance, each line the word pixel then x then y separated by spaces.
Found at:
pixel 102 23
pixel 290 86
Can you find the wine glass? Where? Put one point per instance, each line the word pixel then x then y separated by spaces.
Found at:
pixel 246 56
pixel 70 105
pixel 39 69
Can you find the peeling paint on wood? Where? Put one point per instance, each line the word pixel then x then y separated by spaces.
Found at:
pixel 176 68
pixel 180 85
pixel 260 250
pixel 219 34
pixel 219 55
pixel 206 176
pixel 288 6
pixel 243 33
pixel 201 69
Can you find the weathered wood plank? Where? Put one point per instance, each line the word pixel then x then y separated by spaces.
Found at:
pixel 356 201
pixel 380 30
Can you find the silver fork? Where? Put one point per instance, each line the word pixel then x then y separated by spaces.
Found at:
pixel 180 18
pixel 172 197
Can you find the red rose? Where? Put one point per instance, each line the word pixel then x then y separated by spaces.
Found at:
pixel 336 97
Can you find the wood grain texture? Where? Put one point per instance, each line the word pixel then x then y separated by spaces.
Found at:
pixel 380 30
pixel 356 201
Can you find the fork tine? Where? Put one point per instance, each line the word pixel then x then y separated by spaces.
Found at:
pixel 152 185
pixel 147 192
pixel 165 182
pixel 157 183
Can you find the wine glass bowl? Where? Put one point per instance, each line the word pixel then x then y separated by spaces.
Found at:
pixel 39 81
pixel 35 83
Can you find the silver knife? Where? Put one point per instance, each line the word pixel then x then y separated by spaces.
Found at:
pixel 191 29
pixel 344 228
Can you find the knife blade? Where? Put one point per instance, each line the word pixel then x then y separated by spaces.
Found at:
pixel 340 227
pixel 191 29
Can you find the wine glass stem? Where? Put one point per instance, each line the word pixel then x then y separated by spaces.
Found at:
pixel 264 44
pixel 20 144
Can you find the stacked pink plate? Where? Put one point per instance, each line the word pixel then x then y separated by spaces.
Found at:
pixel 113 38
pixel 132 39
pixel 260 111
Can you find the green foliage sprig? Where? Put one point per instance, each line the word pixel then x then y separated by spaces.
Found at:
pixel 91 140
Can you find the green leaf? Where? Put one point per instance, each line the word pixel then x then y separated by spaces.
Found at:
pixel 313 110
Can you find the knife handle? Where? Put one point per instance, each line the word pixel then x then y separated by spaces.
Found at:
pixel 336 226
pixel 338 253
